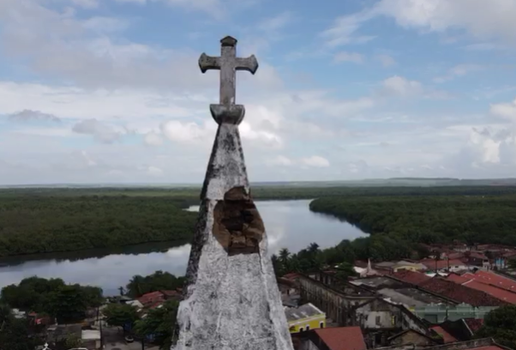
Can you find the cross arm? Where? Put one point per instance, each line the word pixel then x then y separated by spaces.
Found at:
pixel 249 64
pixel 208 62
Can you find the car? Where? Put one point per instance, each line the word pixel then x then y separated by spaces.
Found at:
pixel 129 338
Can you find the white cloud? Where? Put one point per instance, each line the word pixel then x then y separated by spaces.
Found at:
pixel 385 60
pixel 458 71
pixel 155 171
pixel 481 19
pixel 101 131
pixel 153 139
pixel 348 57
pixel 280 160
pixel 316 161
pixel 275 23
pixel 504 110
pixel 344 30
pixel 400 86
pixel 88 4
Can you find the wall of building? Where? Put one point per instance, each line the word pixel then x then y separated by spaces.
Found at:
pixel 305 324
pixel 334 303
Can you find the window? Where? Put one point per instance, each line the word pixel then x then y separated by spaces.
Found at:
pixel 378 320
pixel 321 325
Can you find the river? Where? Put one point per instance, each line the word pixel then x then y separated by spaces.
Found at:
pixel 289 224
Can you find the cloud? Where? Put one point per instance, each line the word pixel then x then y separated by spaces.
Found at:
pixel 385 60
pixel 348 57
pixel 102 132
pixel 155 171
pixel 316 161
pixel 280 160
pixel 153 139
pixel 400 86
pixel 27 115
pixel 87 4
pixel 481 19
pixel 504 110
pixel 275 23
pixel 344 30
pixel 458 71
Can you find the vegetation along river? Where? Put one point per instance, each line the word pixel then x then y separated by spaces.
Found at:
pixel 289 224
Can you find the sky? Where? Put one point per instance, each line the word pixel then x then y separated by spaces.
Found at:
pixel 109 91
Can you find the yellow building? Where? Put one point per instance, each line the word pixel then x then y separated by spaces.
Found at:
pixel 304 318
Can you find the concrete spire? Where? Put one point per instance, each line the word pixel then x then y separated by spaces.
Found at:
pixel 231 300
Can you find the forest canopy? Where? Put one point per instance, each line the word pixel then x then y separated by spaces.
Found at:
pixel 428 219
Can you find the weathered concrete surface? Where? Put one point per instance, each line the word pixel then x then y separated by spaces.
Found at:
pixel 231 300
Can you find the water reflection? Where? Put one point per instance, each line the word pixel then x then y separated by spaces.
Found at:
pixel 289 224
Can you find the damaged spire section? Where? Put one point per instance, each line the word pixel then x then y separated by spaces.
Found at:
pixel 231 298
pixel 237 224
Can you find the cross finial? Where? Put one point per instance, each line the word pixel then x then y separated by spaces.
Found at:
pixel 227 111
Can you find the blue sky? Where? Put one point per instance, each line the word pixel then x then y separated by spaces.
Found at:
pixel 96 91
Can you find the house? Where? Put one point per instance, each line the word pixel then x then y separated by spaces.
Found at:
pixel 337 338
pixel 497 286
pixel 445 336
pixel 380 319
pixel 412 298
pixel 289 292
pixel 478 259
pixel 57 333
pixel 437 314
pixel 154 299
pixel 304 318
pixel 411 336
pixel 462 329
pixel 448 265
pixel 91 339
pixel 476 344
pixel 401 265
pixel 460 293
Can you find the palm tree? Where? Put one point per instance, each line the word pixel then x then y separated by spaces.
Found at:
pixel 284 255
pixel 313 248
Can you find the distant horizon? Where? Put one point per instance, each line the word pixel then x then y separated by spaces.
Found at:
pixel 199 184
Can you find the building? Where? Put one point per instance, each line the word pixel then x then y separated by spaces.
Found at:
pixel 445 336
pixel 401 265
pixel 336 338
pixel 448 265
pixel 476 344
pixel 412 298
pixel 497 286
pixel 91 339
pixel 411 336
pixel 436 314
pixel 305 318
pixel 380 319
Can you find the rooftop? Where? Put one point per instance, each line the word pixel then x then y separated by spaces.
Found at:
pixel 375 282
pixel 411 297
pixel 447 337
pixel 441 264
pixel 460 293
pixel 303 311
pixel 411 277
pixel 342 338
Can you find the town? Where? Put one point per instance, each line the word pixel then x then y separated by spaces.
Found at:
pixel 448 300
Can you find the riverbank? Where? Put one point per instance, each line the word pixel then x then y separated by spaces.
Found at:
pixel 289 224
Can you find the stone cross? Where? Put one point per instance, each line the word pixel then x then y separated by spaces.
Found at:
pixel 228 64
pixel 231 299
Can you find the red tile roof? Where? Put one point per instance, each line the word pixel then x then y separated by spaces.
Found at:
pixel 441 264
pixel 460 293
pixel 342 338
pixel 447 337
pixel 411 277
pixel 457 278
pixel 494 291
pixel 474 324
pixel 151 298
pixel 494 279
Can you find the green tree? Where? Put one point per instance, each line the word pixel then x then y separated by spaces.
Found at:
pixel 345 270
pixel 160 323
pixel 67 304
pixel 159 280
pixel 14 333
pixel 120 315
pixel 500 324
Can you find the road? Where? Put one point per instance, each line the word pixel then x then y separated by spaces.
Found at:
pixel 114 340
